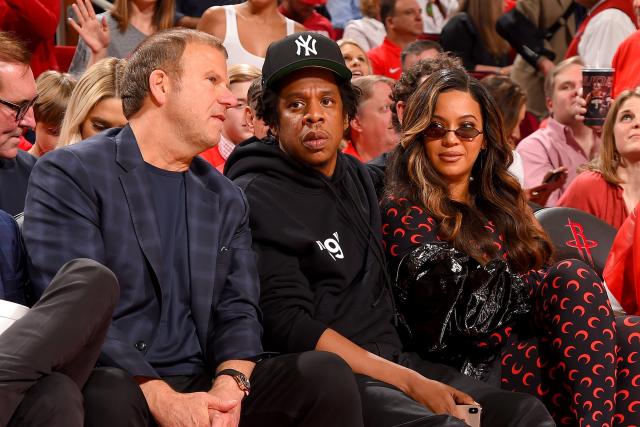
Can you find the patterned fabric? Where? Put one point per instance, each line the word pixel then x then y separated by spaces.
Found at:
pixel 226 147
pixel 566 354
pixel 92 200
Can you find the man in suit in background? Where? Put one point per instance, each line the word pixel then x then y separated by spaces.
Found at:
pixel 17 96
pixel 175 232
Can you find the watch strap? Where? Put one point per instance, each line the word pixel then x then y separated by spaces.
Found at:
pixel 240 379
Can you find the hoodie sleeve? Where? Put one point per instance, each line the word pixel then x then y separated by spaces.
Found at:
pixel 286 297
pixel 287 303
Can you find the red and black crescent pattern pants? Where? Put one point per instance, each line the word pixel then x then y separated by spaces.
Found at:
pixel 573 354
pixel 570 363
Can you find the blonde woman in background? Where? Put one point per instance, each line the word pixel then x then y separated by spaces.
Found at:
pixel 235 128
pixel 355 57
pixel 54 90
pixel 368 32
pixel 95 104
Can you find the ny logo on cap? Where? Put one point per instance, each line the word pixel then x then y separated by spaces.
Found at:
pixel 302 44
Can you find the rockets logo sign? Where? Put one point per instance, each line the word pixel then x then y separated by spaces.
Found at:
pixel 580 242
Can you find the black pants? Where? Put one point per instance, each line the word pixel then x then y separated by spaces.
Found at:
pixel 306 389
pixel 48 354
pixel 317 389
pixel 384 405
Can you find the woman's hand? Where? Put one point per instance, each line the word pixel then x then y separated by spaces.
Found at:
pixel 438 397
pixel 94 32
pixel 552 180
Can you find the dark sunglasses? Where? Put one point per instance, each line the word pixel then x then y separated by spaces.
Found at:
pixel 20 109
pixel 437 131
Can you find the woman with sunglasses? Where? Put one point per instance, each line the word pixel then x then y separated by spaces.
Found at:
pixel 549 329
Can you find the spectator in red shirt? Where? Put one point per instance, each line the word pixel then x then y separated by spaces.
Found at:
pixel 371 131
pixel 625 61
pixel 35 23
pixel 303 11
pixel 609 188
pixel 235 127
pixel 403 22
pixel 607 24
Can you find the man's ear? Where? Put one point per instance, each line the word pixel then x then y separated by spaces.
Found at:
pixel 400 110
pixel 388 22
pixel 249 117
pixel 355 124
pixel 158 86
pixel 549 104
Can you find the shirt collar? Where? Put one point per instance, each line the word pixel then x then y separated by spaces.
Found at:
pixel 391 45
pixel 225 147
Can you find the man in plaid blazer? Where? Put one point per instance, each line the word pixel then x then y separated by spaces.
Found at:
pixel 175 232
pixel 12 272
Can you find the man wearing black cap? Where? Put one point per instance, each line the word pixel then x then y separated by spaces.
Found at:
pixel 316 227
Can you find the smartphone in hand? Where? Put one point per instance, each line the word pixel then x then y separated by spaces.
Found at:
pixel 554 175
pixel 470 414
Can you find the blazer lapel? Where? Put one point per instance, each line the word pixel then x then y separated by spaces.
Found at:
pixel 135 184
pixel 202 224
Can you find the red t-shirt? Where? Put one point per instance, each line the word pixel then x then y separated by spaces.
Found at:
pixel 24 144
pixel 213 156
pixel 315 22
pixel 351 149
pixel 35 22
pixel 590 193
pixel 385 59
pixel 626 62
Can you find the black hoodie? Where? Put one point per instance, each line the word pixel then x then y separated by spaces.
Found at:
pixel 321 262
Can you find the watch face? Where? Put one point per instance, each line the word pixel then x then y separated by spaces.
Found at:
pixel 243 382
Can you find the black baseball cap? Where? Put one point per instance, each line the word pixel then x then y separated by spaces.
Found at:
pixel 302 50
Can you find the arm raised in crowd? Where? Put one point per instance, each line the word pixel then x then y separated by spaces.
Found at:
pixel 94 32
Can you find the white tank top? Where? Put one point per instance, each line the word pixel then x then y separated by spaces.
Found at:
pixel 237 53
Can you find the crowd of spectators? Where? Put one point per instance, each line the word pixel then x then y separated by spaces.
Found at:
pixel 237 212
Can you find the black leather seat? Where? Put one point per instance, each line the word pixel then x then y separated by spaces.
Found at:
pixel 577 234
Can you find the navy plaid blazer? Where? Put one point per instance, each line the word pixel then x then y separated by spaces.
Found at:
pixel 92 200
pixel 13 275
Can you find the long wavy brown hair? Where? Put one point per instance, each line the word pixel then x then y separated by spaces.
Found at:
pixel 496 194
